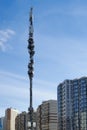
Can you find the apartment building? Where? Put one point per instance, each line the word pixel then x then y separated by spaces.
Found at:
pixel 47 115
pixel 22 120
pixel 72 104
pixel 10 115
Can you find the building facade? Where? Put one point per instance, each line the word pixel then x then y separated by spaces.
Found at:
pixel 22 120
pixel 2 127
pixel 47 115
pixel 10 115
pixel 72 104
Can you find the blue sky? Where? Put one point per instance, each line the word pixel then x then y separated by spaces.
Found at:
pixel 60 35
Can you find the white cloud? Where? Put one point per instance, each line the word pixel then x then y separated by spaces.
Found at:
pixel 11 75
pixel 5 35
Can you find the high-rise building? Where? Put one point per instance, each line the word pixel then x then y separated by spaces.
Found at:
pixel 47 115
pixel 22 121
pixel 72 104
pixel 10 115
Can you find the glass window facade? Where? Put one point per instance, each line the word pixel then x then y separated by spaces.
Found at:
pixel 72 104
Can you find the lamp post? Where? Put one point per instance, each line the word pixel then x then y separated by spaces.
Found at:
pixel 30 66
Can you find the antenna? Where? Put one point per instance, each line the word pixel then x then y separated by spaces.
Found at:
pixel 30 66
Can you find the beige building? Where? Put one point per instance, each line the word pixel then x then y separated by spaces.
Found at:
pixel 47 115
pixel 10 115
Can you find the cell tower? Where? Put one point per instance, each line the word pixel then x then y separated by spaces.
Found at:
pixel 30 66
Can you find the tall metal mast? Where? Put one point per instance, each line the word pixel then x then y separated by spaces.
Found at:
pixel 30 65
